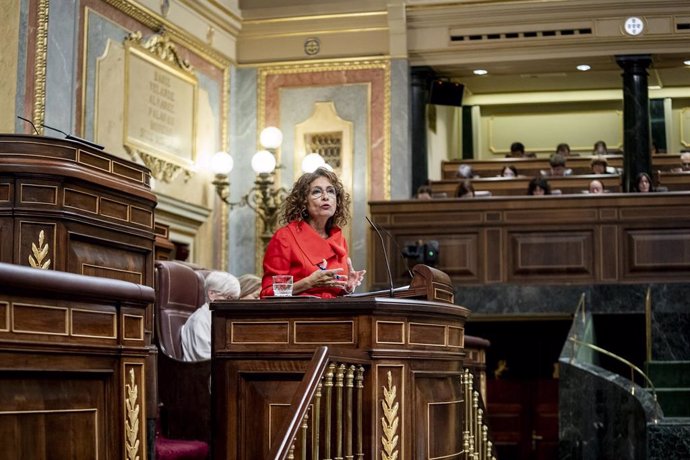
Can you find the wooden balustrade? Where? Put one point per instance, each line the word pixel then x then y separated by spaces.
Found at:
pixel 575 239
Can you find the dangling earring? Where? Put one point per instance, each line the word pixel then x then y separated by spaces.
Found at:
pixel 305 214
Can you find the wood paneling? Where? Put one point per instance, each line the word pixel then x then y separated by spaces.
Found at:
pixel 576 239
pixel 416 343
pixel 71 383
pixel 65 188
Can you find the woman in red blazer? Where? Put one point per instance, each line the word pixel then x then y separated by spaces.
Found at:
pixel 311 247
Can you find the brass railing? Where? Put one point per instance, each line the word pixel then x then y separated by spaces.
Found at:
pixel 476 442
pixel 633 368
pixel 330 395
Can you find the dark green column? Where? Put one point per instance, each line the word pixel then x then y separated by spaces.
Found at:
pixel 420 78
pixel 636 122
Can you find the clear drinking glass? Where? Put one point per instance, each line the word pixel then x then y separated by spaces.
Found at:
pixel 282 285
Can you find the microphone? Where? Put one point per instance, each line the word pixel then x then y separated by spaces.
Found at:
pixel 75 138
pixel 385 254
pixel 397 246
pixel 31 123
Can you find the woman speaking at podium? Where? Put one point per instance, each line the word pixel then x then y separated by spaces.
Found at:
pixel 311 246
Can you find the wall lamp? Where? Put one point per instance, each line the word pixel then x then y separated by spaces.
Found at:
pixel 263 198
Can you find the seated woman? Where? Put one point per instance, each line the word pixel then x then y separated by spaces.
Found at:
pixel 311 247
pixel 465 190
pixel 643 183
pixel 250 286
pixel 539 186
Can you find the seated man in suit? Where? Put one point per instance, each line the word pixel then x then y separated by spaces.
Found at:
pixel 196 332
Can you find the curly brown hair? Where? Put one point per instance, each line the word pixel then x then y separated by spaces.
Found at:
pixel 295 205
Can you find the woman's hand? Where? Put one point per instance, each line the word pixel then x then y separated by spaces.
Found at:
pixel 354 277
pixel 328 278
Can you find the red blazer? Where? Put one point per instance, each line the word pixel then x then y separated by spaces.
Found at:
pixel 296 249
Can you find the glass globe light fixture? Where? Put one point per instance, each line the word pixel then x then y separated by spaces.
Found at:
pixel 222 163
pixel 263 162
pixel 271 137
pixel 311 162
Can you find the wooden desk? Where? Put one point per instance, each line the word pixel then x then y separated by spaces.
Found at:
pixel 576 239
pixel 501 186
pixel 72 365
pixel 93 210
pixel 410 349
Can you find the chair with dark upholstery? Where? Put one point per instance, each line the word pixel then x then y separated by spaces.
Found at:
pixel 183 387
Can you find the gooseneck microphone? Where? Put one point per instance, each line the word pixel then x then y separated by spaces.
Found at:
pixel 75 138
pixel 31 123
pixel 385 254
pixel 397 246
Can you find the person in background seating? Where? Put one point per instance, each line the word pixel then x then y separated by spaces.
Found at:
pixel 643 183
pixel 600 148
pixel 311 246
pixel 509 171
pixel 596 187
pixel 465 190
pixel 684 163
pixel 539 186
pixel 564 149
pixel 465 172
pixel 558 168
pixel 517 150
pixel 598 165
pixel 195 335
pixel 423 192
pixel 250 286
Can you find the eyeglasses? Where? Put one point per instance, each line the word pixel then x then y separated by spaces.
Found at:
pixel 318 193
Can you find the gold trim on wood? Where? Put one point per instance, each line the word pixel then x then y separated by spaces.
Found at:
pixel 7 316
pixel 402 331
pixel 14 306
pixel 112 269
pixel 114 323
pixel 21 193
pixel 40 65
pixel 390 421
pixel 132 418
pixel 428 428
pixel 445 334
pixel 298 323
pixel 141 327
pixel 39 255
pixel 255 323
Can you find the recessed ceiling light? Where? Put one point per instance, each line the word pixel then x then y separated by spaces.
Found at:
pixel 480 72
pixel 686 62
pixel 583 67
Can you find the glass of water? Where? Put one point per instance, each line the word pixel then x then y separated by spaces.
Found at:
pixel 282 285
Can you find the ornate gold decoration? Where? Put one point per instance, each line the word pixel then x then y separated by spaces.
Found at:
pixel 39 253
pixel 161 170
pixel 160 46
pixel 41 55
pixel 132 422
pixel 389 421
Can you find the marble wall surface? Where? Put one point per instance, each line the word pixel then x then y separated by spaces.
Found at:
pixel 671 315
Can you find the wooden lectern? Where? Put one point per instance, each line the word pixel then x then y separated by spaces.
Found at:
pixel 392 386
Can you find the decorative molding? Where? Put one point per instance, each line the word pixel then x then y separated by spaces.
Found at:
pixel 161 47
pixel 161 169
pixel 40 66
pixel 132 420
pixel 390 421
pixel 39 253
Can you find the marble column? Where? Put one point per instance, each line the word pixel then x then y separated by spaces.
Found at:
pixel 636 123
pixel 420 78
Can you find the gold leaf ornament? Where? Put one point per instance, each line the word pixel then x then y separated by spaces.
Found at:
pixel 39 253
pixel 390 421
